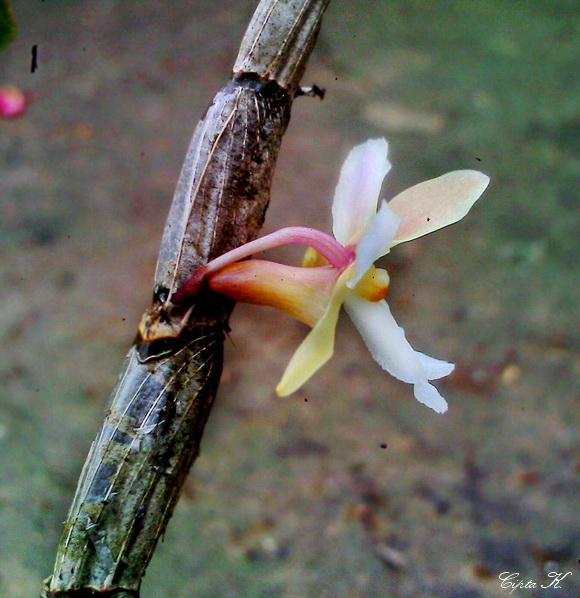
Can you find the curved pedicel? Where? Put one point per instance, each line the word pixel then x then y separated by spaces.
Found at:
pixel 328 247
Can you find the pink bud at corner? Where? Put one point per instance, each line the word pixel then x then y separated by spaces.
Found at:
pixel 13 102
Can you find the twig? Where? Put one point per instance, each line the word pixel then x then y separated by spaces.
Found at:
pixel 150 436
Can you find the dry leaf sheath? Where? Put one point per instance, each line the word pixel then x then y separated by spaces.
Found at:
pixel 150 437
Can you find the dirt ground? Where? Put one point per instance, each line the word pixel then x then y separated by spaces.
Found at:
pixel 293 498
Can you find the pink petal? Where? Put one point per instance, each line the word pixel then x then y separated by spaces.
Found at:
pixel 357 192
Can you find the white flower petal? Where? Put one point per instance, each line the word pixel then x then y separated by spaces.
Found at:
pixel 357 192
pixel 389 347
pixel 433 204
pixel 376 239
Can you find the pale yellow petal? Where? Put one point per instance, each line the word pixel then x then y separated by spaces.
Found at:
pixel 433 204
pixel 318 346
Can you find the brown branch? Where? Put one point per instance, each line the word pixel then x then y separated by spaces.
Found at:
pixel 151 433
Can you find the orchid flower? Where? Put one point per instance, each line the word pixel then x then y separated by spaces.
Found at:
pixel 339 271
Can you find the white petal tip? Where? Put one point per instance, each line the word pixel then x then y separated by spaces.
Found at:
pixel 428 395
pixel 434 368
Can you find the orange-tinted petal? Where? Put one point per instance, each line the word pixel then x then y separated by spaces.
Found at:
pixel 303 293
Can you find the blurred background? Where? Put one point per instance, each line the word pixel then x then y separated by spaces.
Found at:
pixel 294 497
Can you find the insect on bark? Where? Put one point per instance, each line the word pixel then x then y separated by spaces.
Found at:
pixel 151 433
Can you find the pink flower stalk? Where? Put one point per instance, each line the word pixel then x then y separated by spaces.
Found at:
pixel 337 255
